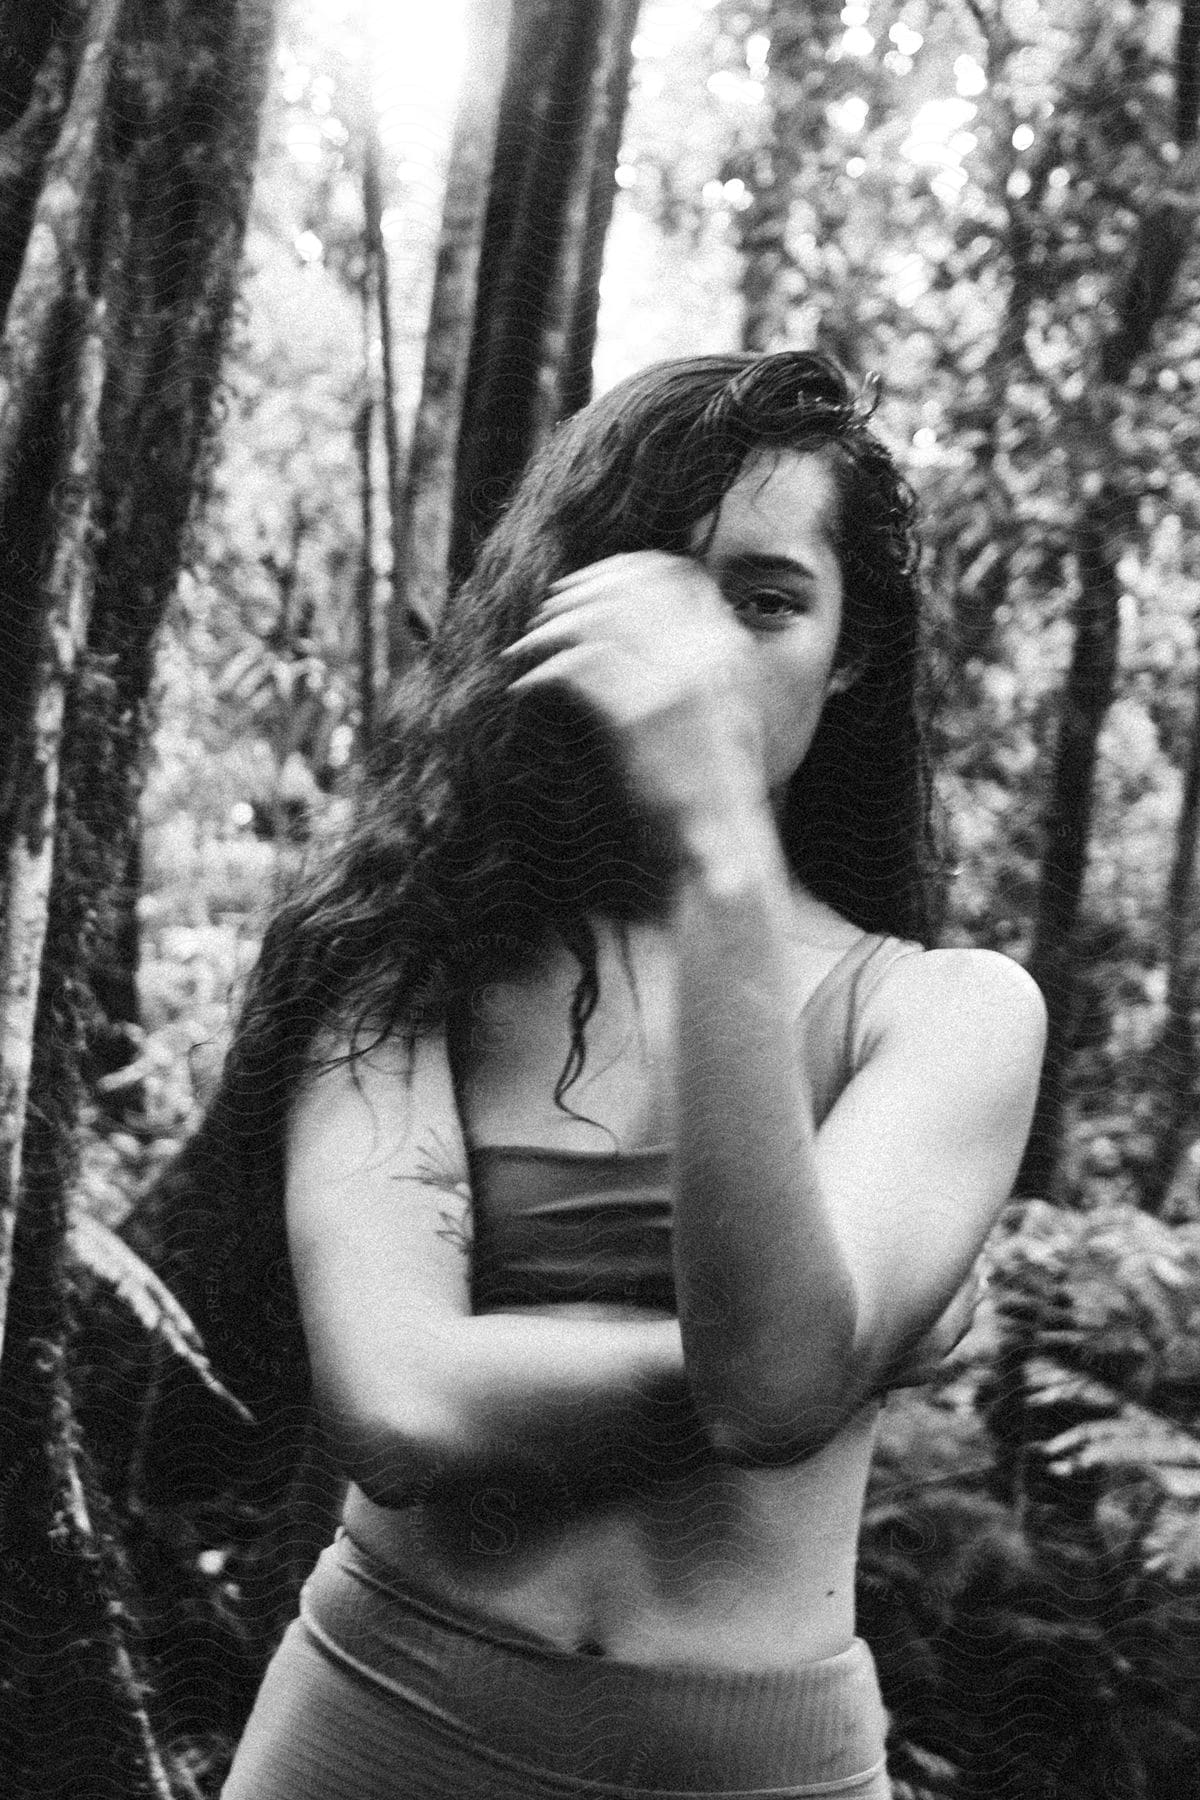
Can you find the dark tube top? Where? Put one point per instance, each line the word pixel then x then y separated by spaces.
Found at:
pixel 559 1226
pixel 552 1225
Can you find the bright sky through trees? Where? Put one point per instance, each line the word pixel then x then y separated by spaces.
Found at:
pixel 414 54
pixel 405 58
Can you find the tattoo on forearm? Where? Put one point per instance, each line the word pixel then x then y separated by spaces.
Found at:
pixel 439 1168
pixel 455 1228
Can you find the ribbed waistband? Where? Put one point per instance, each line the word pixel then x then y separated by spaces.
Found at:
pixel 624 1727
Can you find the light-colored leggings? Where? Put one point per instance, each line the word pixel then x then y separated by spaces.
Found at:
pixel 375 1694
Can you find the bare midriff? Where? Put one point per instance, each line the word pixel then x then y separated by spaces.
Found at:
pixel 694 1561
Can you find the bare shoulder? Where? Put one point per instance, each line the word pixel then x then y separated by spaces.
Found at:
pixel 959 999
pixel 979 978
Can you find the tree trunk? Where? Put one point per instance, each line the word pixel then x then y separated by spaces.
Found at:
pixel 370 681
pixel 168 235
pixel 779 171
pixel 429 488
pixel 1175 1061
pixel 1066 824
pixel 41 45
pixel 52 352
pixel 550 200
pixel 988 552
pixel 364 585
pixel 1157 254
pixel 377 281
pixel 133 149
pixel 43 326
pixel 610 100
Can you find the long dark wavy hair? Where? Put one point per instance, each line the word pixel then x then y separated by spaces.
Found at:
pixel 483 822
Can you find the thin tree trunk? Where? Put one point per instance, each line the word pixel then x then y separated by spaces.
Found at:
pixel 364 586
pixel 1091 678
pixel 571 307
pixel 365 600
pixel 989 554
pixel 429 487
pixel 551 194
pixel 1087 695
pixel 401 632
pixel 575 367
pixel 1175 1062
pixel 769 280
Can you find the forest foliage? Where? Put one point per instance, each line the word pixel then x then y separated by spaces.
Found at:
pixel 950 195
pixel 959 216
pixel 989 203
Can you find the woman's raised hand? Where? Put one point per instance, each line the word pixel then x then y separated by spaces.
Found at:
pixel 647 642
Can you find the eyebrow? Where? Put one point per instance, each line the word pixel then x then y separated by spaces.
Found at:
pixel 754 562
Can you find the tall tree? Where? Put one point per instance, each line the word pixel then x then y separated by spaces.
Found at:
pixel 549 203
pixel 377 289
pixel 424 546
pixel 1104 518
pixel 364 579
pixel 1175 1060
pixel 125 170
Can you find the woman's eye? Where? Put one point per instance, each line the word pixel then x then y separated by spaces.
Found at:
pixel 767 603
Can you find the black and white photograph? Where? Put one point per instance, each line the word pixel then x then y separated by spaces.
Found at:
pixel 599 899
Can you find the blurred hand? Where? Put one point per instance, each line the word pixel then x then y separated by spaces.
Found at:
pixel 647 642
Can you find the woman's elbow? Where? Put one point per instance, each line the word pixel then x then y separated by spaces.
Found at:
pixel 773 1408
pixel 398 1456
pixel 787 1421
pixel 776 1438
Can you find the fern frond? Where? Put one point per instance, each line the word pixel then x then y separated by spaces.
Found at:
pixel 1108 1290
pixel 96 1250
pixel 1052 1383
pixel 1135 1439
pixel 1172 1544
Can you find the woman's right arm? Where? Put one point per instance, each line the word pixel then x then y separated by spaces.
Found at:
pixel 416 1391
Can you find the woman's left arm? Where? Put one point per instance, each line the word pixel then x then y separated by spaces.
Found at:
pixel 804 1262
pixel 807 1262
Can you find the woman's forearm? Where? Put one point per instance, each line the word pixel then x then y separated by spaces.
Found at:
pixel 564 1403
pixel 766 1300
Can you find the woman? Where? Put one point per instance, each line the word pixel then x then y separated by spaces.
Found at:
pixel 639 1144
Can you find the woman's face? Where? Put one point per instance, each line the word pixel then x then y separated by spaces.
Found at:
pixel 772 555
